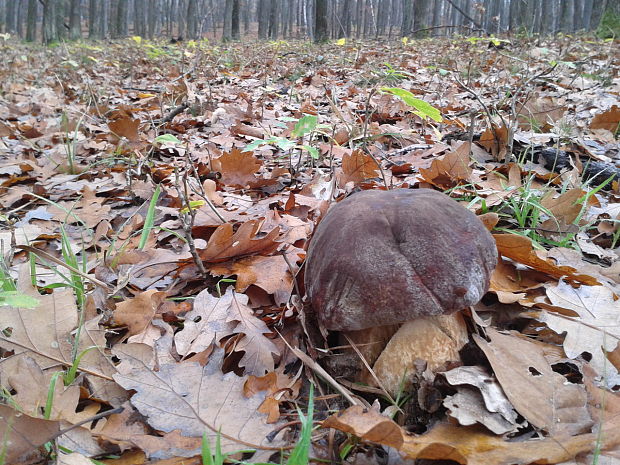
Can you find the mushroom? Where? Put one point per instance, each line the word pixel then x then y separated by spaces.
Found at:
pixel 388 257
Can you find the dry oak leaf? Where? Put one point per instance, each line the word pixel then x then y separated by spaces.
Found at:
pixel 357 167
pixel 609 120
pixel 224 244
pixel 137 313
pixel 23 434
pixel 595 330
pixel 89 210
pixel 479 399
pixel 195 399
pixel 450 170
pixel 238 169
pixel 470 445
pixel 45 333
pixel 125 127
pixel 272 274
pixel 123 429
pixel 520 249
pixel 558 407
pixel 495 140
pixel 214 318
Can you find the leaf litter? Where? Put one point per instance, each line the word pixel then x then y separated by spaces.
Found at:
pixel 200 330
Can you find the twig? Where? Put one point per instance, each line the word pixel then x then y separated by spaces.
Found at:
pixel 187 225
pixel 177 110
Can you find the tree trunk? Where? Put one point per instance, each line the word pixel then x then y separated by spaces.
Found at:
pixel 122 26
pixel 405 28
pixel 50 31
pixel 235 20
pixel 264 9
pixel 567 15
pixel 320 22
pixel 31 22
pixel 192 19
pixel 274 20
pixel 11 17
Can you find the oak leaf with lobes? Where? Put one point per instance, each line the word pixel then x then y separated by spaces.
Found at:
pixel 224 244
pixel 238 169
pixel 214 318
pixel 195 399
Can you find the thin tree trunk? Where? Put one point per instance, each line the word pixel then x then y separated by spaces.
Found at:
pixel 31 22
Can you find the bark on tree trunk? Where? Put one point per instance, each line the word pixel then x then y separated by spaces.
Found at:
pixel 31 22
pixel 320 21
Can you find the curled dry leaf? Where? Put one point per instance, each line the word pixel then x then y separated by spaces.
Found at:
pixel 479 399
pixel 137 313
pixel 272 274
pixel 357 167
pixel 470 445
pixel 520 249
pixel 450 170
pixel 24 434
pixel 225 244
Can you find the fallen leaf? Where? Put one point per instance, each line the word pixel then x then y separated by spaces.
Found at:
pixel 470 445
pixel 271 274
pixel 195 399
pixel 357 168
pixel 214 318
pixel 520 249
pixel 559 407
pixel 24 434
pixel 479 399
pixel 609 120
pixel 595 329
pixel 224 244
pixel 238 168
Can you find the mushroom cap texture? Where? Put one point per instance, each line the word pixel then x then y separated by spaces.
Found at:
pixel 386 257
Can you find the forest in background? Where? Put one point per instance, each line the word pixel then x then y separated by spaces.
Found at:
pixel 319 20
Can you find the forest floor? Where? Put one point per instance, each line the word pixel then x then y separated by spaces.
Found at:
pixel 156 204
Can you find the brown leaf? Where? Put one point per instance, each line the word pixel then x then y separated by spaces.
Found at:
pixel 495 140
pixel 559 407
pixel 470 445
pixel 595 330
pixel 357 167
pixel 271 274
pixel 125 127
pixel 224 244
pixel 238 168
pixel 215 318
pixel 450 170
pixel 520 249
pixel 23 433
pixel 609 120
pixel 195 399
pixel 137 313
pixel 89 209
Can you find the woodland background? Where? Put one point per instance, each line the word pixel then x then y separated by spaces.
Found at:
pixel 53 20
pixel 158 197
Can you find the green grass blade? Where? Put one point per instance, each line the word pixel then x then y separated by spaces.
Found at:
pixel 150 219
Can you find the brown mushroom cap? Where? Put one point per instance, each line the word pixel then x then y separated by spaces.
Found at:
pixel 386 257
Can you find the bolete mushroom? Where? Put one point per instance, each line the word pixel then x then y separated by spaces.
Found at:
pixel 387 257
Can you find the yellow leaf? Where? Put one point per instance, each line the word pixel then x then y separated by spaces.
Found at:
pixel 342 41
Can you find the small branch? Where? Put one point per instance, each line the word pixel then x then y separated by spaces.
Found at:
pixel 177 110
